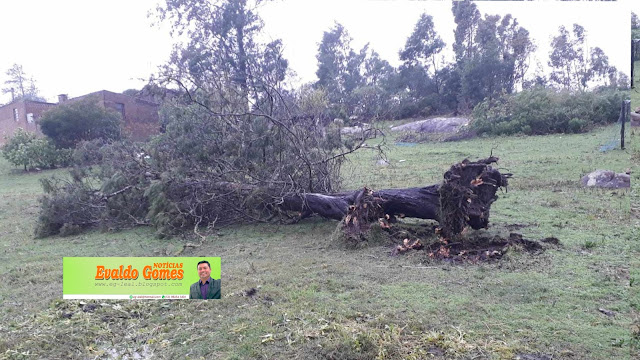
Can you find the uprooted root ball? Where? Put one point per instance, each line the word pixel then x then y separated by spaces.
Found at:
pixel 466 194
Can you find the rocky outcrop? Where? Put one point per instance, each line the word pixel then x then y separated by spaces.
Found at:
pixel 606 179
pixel 435 125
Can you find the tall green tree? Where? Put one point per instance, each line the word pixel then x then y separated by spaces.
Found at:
pixel 374 97
pixel 20 85
pixel 562 57
pixel 492 54
pixel 422 48
pixel 501 59
pixel 573 66
pixel 223 60
pixel 340 68
pixel 332 56
pixel 515 47
pixel 377 71
pixel 467 18
pixel 600 68
pixel 424 44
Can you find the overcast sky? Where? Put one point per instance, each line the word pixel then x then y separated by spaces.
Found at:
pixel 80 46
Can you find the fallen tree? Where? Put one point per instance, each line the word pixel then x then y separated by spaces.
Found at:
pixel 463 198
pixel 137 195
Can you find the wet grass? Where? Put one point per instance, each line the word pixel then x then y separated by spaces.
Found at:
pixel 317 299
pixel 634 296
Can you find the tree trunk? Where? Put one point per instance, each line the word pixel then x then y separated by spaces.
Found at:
pixel 464 198
pixel 420 203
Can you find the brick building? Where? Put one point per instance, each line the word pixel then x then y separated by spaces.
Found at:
pixel 21 114
pixel 139 117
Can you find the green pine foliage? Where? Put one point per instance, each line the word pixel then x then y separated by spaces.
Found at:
pixel 203 171
pixel 108 196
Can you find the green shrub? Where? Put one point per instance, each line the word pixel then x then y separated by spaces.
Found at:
pixel 576 125
pixel 80 120
pixel 24 149
pixel 541 111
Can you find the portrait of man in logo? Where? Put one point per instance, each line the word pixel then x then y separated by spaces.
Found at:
pixel 207 287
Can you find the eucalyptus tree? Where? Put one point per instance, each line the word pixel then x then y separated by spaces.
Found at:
pixel 467 18
pixel 492 53
pixel 574 67
pixel 375 97
pixel 422 48
pixel 340 69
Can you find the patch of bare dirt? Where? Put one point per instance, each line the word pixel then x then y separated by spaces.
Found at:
pixel 465 248
pixel 481 249
pixel 533 357
pixel 513 227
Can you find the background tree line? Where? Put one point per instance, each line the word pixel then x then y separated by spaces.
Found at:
pixel 492 58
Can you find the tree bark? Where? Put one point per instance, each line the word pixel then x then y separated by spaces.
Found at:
pixel 415 202
pixel 463 198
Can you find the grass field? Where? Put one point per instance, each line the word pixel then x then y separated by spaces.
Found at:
pixel 635 221
pixel 318 299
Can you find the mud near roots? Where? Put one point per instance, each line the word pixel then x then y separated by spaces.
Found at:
pixel 468 249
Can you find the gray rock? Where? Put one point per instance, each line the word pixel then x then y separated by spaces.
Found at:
pixel 606 179
pixel 435 125
pixel 635 119
pixel 354 129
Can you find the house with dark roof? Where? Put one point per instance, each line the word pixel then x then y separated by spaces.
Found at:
pixel 139 116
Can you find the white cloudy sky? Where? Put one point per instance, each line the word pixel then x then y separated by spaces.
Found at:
pixel 81 46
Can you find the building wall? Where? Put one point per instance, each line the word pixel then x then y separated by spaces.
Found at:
pixel 37 109
pixel 140 117
pixel 8 123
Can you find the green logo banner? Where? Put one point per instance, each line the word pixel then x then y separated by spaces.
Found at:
pixel 132 277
